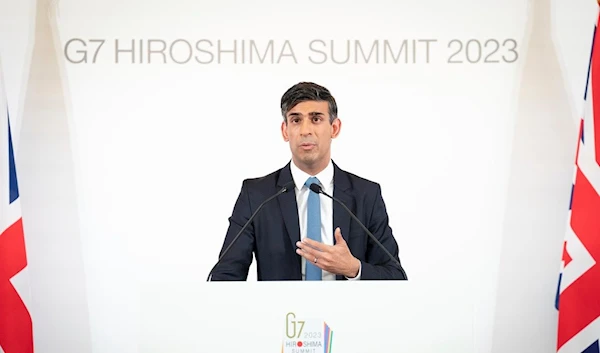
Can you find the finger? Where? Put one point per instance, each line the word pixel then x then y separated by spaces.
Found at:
pixel 314 244
pixel 311 258
pixel 305 249
pixel 323 258
pixel 338 236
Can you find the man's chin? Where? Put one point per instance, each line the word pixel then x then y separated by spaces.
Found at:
pixel 311 161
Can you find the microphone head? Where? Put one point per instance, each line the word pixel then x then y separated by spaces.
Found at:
pixel 289 186
pixel 316 188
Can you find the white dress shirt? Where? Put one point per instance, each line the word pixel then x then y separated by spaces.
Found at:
pixel 326 179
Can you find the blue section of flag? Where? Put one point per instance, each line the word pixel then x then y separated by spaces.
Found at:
pixel 556 300
pixel 589 66
pixel 12 169
pixel 571 200
pixel 593 348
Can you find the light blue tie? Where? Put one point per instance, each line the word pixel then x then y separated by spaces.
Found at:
pixel 313 228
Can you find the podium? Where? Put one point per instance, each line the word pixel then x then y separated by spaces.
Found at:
pixel 305 317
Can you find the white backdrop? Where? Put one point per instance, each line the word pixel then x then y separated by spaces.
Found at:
pixel 130 170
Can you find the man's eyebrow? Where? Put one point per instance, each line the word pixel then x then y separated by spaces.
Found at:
pixel 310 114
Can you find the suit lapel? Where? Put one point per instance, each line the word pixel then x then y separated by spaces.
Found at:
pixel 342 192
pixel 289 209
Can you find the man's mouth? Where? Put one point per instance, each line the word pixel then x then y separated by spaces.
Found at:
pixel 307 146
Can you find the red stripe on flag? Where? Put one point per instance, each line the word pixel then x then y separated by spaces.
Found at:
pixel 566 257
pixel 580 302
pixel 16 332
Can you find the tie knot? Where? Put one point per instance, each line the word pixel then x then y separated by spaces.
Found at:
pixel 312 180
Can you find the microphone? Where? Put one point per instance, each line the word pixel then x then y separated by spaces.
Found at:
pixel 319 190
pixel 285 188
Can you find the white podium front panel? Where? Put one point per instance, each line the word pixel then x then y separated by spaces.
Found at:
pixel 328 317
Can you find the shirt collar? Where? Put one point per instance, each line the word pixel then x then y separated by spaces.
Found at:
pixel 300 177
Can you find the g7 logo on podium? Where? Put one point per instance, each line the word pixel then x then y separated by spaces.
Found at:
pixel 306 336
pixel 290 324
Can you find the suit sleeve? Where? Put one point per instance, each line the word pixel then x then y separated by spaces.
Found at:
pixel 378 265
pixel 234 266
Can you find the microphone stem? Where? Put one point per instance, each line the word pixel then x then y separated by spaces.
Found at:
pixel 284 189
pixel 367 231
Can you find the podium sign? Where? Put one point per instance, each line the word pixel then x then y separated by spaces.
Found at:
pixel 306 336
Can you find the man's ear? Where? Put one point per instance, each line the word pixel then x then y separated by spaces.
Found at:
pixel 336 126
pixel 284 133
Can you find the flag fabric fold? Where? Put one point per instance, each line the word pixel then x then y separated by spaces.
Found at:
pixel 578 293
pixel 16 329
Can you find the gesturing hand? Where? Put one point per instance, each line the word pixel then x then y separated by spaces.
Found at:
pixel 335 259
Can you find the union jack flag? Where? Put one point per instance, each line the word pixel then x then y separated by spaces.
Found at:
pixel 15 322
pixel 578 294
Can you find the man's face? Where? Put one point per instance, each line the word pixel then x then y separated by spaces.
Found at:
pixel 309 133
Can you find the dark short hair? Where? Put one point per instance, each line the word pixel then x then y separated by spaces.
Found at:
pixel 307 91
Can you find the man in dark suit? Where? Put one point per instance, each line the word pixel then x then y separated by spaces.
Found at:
pixel 302 235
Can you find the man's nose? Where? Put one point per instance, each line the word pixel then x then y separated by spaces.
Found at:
pixel 305 127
